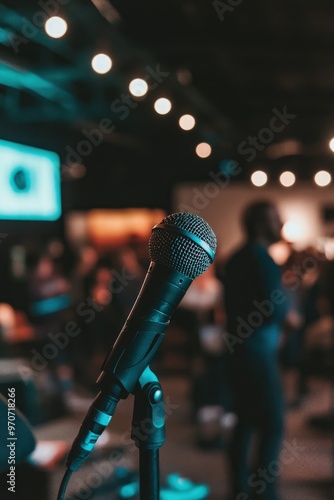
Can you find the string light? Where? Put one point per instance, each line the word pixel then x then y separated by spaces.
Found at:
pixel 162 106
pixel 101 63
pixel 187 122
pixel 322 178
pixel 203 150
pixel 138 87
pixel 55 27
pixel 287 179
pixel 259 178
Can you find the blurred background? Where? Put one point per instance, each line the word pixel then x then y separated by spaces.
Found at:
pixel 112 115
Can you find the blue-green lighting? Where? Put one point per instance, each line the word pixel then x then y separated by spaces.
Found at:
pixel 129 490
pixel 51 305
pixel 29 183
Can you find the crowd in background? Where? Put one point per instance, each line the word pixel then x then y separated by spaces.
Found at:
pixel 66 308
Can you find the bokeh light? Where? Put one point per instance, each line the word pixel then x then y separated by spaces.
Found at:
pixel 101 63
pixel 203 150
pixel 322 178
pixel 138 87
pixel 292 231
pixel 187 122
pixel 287 179
pixel 162 106
pixel 55 27
pixel 259 178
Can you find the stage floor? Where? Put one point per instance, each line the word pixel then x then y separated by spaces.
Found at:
pixel 306 477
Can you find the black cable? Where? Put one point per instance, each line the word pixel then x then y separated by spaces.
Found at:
pixel 64 483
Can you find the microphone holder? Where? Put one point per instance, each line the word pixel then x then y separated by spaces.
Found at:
pixel 148 432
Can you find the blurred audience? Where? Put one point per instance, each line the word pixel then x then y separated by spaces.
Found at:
pixel 208 368
pixel 129 277
pixel 101 324
pixel 94 289
pixel 301 279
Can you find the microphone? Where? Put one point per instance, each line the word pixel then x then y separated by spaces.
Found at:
pixel 181 248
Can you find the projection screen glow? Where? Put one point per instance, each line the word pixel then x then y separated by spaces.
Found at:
pixel 29 183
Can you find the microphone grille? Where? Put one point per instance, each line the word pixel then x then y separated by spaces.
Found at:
pixel 171 247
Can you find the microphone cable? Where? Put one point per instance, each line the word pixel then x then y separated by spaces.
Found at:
pixel 64 484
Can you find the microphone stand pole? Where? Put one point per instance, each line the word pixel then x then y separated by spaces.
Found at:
pixel 148 432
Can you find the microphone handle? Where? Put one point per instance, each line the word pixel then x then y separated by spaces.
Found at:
pixel 131 354
pixel 144 329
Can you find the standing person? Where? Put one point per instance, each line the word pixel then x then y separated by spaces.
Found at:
pixel 256 307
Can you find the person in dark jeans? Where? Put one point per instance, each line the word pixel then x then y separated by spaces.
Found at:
pixel 256 307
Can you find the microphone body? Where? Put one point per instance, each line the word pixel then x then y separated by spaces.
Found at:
pixel 169 276
pixel 144 329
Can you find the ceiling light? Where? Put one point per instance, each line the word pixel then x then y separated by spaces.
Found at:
pixel 101 63
pixel 187 122
pixel 55 27
pixel 203 150
pixel 322 178
pixel 259 178
pixel 162 106
pixel 138 87
pixel 287 179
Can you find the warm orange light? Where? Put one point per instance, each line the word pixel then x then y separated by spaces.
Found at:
pixel 187 122
pixel 322 178
pixel 203 150
pixel 287 179
pixel 114 227
pixel 292 231
pixel 259 178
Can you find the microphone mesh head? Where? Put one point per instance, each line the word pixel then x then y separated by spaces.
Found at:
pixel 178 251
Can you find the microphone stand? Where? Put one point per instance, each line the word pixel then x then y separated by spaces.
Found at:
pixel 148 432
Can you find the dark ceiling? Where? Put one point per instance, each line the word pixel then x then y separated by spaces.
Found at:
pixel 230 64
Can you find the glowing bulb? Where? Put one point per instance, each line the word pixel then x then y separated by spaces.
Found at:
pixel 292 231
pixel 55 27
pixel 162 106
pixel 331 144
pixel 101 63
pixel 287 179
pixel 138 87
pixel 203 150
pixel 322 178
pixel 187 122
pixel 259 178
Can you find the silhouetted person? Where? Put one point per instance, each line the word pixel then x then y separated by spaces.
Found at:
pixel 256 307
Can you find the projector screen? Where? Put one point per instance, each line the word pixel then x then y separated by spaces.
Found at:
pixel 29 183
